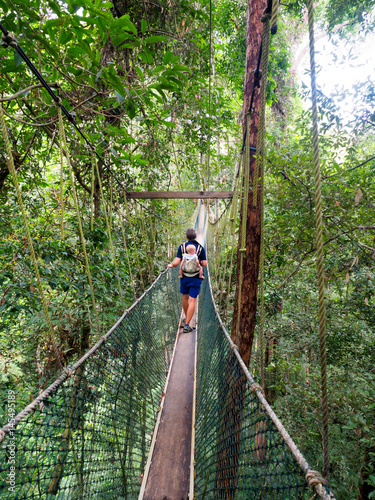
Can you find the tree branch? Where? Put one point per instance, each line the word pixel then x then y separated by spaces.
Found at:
pixel 326 243
pixel 27 89
pixel 349 169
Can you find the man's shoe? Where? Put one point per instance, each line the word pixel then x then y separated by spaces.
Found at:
pixel 183 322
pixel 187 329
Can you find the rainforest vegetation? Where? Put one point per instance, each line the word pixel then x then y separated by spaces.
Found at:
pixel 163 107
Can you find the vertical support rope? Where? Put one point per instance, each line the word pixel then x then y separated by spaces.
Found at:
pixel 209 99
pixel 262 110
pixel 146 241
pixel 111 201
pixel 319 242
pixel 92 190
pixel 62 139
pixel 275 9
pixel 233 230
pixel 126 248
pixel 110 235
pixel 28 236
pixel 134 240
pixel 259 171
pixel 61 189
pixel 246 185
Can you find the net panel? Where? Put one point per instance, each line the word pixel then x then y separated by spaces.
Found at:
pixel 90 437
pixel 239 451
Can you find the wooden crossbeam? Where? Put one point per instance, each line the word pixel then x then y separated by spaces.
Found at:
pixel 204 195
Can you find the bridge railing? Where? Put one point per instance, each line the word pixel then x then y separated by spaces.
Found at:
pixel 242 450
pixel 88 434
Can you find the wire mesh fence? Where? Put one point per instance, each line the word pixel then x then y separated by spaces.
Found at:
pixel 89 434
pixel 239 451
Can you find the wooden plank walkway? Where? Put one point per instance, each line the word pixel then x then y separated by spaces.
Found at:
pixel 169 474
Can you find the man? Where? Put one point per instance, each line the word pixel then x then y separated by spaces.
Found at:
pixel 190 285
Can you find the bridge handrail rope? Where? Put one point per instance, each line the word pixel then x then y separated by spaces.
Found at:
pixel 69 371
pixel 313 478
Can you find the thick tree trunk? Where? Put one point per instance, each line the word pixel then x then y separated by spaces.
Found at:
pixel 243 333
pixel 230 436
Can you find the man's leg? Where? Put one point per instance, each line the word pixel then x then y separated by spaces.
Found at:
pixel 185 303
pixel 190 310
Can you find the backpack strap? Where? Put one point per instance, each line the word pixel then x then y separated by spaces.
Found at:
pixel 199 248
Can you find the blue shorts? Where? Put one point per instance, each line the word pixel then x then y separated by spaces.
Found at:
pixel 190 286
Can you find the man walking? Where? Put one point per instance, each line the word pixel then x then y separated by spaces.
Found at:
pixel 190 284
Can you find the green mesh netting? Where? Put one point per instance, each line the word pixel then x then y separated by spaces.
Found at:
pixel 239 451
pixel 90 437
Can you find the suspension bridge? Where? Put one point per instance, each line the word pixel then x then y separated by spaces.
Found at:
pixel 97 431
pixel 149 412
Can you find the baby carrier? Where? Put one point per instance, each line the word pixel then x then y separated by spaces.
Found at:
pixel 189 267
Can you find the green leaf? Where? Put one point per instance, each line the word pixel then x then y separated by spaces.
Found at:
pixel 125 23
pixel 167 57
pixel 139 73
pixel 149 55
pixel 53 22
pixel 65 37
pixel 119 39
pixel 143 26
pixel 155 39
pixel 17 59
pixel 119 97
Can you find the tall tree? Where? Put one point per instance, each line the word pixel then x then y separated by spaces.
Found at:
pixel 244 323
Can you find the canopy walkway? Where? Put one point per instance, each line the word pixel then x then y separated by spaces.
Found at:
pixel 114 426
pixel 89 434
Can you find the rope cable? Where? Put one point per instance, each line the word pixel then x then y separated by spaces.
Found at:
pixel 61 188
pixel 319 242
pixel 145 239
pixel 28 236
pixel 134 240
pixel 262 110
pixel 126 248
pixel 233 230
pixel 109 235
pixel 242 239
pixel 87 266
pixel 259 167
pixel 275 9
pixel 92 191
pixel 209 98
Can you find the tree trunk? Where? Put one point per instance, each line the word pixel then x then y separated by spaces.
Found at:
pixel 243 333
pixel 230 433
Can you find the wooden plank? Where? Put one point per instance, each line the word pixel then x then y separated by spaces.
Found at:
pixel 169 475
pixel 180 194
